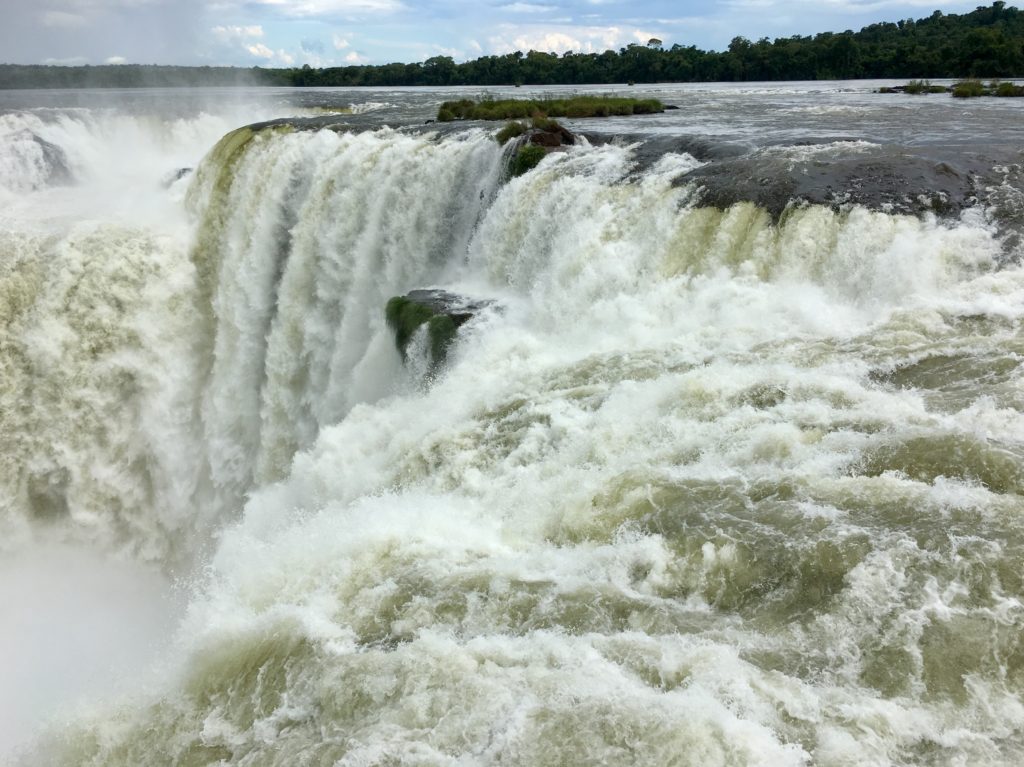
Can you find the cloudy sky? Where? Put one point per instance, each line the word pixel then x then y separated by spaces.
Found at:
pixel 331 32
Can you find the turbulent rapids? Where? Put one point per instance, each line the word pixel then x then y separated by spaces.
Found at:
pixel 698 484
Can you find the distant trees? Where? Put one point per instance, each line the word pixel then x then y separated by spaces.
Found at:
pixel 987 43
pixel 138 76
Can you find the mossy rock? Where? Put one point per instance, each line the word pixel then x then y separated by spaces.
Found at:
pixel 510 131
pixel 968 89
pixel 404 316
pixel 574 106
pixel 1007 90
pixel 442 312
pixel 526 158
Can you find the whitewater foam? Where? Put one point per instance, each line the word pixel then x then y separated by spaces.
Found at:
pixel 687 495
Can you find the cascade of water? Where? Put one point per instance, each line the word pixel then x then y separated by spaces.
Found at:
pixel 703 486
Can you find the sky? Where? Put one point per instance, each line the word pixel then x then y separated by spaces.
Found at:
pixel 277 33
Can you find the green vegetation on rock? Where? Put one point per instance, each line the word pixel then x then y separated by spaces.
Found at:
pixel 405 316
pixel 923 86
pixel 526 158
pixel 441 330
pixel 1007 90
pixel 577 106
pixel 545 123
pixel 967 89
pixel 510 131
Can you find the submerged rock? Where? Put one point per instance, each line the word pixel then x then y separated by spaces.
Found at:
pixel 550 135
pixel 442 312
pixel 536 143
pixel 50 159
pixel 174 175
pixel 875 177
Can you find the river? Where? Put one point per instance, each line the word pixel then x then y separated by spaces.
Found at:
pixel 727 471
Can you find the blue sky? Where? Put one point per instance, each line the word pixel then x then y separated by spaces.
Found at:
pixel 335 32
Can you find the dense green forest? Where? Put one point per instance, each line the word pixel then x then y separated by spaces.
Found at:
pixel 988 42
pixel 134 76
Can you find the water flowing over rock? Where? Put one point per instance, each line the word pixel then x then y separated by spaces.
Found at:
pixel 174 176
pixel 29 162
pixel 866 176
pixel 439 313
pixel 703 477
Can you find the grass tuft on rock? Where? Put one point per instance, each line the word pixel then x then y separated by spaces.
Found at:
pixel 541 122
pixel 526 158
pixel 1007 90
pixel 923 86
pixel 510 131
pixel 969 89
pixel 518 109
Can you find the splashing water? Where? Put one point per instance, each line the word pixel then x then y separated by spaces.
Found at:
pixel 705 488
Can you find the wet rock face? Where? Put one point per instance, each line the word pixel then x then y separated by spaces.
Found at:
pixel 442 313
pixel 175 175
pixel 551 136
pixel 52 160
pixel 899 183
pixel 536 143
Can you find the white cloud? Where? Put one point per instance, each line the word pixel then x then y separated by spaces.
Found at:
pixel 116 60
pixel 455 53
pixel 355 58
pixel 591 39
pixel 232 34
pixel 280 56
pixel 329 8
pixel 340 43
pixel 527 8
pixel 643 37
pixel 259 49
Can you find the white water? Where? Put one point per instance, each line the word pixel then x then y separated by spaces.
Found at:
pixel 666 505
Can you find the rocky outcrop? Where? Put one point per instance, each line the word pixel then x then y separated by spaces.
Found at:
pixel 442 313
pixel 175 175
pixel 550 135
pixel 875 177
pixel 49 158
pixel 535 143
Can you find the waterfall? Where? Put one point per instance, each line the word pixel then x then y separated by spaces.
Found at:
pixel 705 486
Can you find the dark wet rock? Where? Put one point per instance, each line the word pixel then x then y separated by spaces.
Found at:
pixel 56 170
pixel 647 149
pixel 942 178
pixel 669 107
pixel 915 89
pixel 900 183
pixel 442 312
pixel 535 143
pixel 550 136
pixel 173 176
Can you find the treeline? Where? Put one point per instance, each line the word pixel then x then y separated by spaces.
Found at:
pixel 132 76
pixel 988 43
